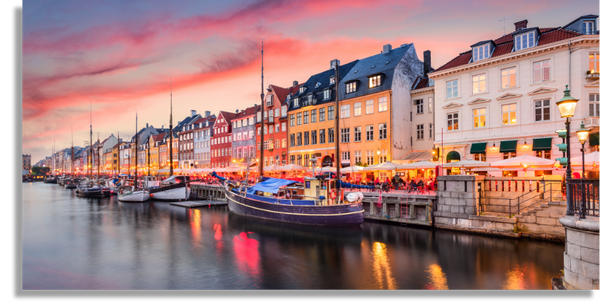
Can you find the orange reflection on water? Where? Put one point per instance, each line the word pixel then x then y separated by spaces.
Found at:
pixel 218 232
pixel 246 253
pixel 437 278
pixel 195 222
pixel 515 279
pixel 381 267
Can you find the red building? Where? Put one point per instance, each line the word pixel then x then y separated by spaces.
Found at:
pixel 220 144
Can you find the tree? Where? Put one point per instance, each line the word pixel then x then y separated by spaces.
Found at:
pixel 40 170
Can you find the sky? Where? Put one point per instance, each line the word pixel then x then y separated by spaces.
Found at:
pixel 113 59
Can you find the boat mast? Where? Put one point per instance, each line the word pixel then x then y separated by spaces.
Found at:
pixel 90 164
pixel 262 116
pixel 98 152
pixel 72 155
pixel 337 134
pixel 171 133
pixel 118 155
pixel 136 153
pixel 148 154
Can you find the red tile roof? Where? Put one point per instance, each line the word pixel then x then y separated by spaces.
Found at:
pixel 158 137
pixel 281 93
pixel 228 116
pixel 420 83
pixel 251 111
pixel 504 45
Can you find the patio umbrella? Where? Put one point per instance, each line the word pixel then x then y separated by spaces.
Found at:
pixel 293 167
pixel 590 159
pixel 467 164
pixel 522 162
pixel 386 166
pixel 417 165
pixel 352 169
pixel 326 169
pixel 272 168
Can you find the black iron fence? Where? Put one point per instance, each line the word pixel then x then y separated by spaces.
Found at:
pixel 585 196
pixel 516 205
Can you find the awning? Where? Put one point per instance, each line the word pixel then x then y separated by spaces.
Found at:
pixel 508 146
pixel 271 185
pixel 452 155
pixel 593 139
pixel 478 147
pixel 541 144
pixel 417 156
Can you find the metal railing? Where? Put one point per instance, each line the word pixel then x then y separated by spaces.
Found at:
pixel 519 204
pixel 585 196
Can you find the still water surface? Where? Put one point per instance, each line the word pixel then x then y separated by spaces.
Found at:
pixel 76 243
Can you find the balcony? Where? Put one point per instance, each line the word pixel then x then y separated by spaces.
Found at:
pixel 591 122
pixel 283 117
pixel 592 75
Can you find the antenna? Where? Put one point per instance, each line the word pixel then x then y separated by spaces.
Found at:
pixel 262 112
pixel 504 24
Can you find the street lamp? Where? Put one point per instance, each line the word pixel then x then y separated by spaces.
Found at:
pixel 583 133
pixel 566 106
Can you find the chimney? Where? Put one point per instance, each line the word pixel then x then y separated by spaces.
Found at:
pixel 295 83
pixel 237 111
pixel 193 112
pixel 146 125
pixel 387 48
pixel 520 25
pixel 426 62
pixel 206 113
pixel 332 64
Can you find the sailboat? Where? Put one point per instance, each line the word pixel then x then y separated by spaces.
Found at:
pixel 312 202
pixel 52 179
pixel 176 187
pixel 132 194
pixel 90 188
pixel 72 182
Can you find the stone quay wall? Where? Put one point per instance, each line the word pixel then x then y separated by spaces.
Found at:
pixel 581 253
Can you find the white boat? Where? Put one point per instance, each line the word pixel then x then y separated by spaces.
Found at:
pixel 174 188
pixel 129 195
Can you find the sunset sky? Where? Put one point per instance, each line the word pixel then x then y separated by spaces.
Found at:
pixel 119 56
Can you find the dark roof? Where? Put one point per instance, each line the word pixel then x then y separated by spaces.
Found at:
pixel 420 83
pixel 484 42
pixel 251 111
pixel 382 63
pixel 582 17
pixel 311 86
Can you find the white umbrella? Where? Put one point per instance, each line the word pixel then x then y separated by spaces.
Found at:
pixel 326 169
pixel 386 166
pixel 417 165
pixel 590 159
pixel 293 167
pixel 271 168
pixel 234 168
pixel 523 161
pixel 469 163
pixel 352 169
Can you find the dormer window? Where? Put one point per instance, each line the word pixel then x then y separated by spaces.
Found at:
pixel 310 99
pixel 332 80
pixel 326 94
pixel 481 52
pixel 302 89
pixel 525 41
pixel 317 85
pixel 374 81
pixel 269 100
pixel 588 27
pixel 296 102
pixel 351 87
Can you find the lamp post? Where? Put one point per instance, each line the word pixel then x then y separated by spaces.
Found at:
pixel 566 106
pixel 583 133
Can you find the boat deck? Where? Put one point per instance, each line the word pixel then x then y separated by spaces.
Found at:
pixel 194 204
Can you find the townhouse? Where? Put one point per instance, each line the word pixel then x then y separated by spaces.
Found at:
pixel 243 135
pixel 220 145
pixel 311 117
pixel 204 132
pixel 498 99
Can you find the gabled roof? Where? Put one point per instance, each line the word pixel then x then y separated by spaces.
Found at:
pixel 251 111
pixel 158 137
pixel 420 83
pixel 504 44
pixel 227 116
pixel 582 17
pixel 281 93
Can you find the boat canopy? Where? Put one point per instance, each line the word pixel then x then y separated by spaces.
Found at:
pixel 271 185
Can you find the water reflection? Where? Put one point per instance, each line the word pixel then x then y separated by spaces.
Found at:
pixel 381 267
pixel 437 278
pixel 515 279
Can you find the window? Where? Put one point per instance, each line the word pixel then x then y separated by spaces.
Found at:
pixel 283 143
pixel 588 28
pixel 544 154
pixel 305 117
pixel 542 110
pixel 507 155
pixel 292 158
pixel 374 81
pixel 351 87
pixel 478 83
pixel 541 71
pixel 357 157
pixel 357 134
pixel 382 104
pixel 322 114
pixel 594 98
pixel 369 132
pixel 594 63
pixel 346 156
pixel 430 104
pixel 276 128
pixel 306 138
pixel 331 135
pixel 309 99
pixel 479 118
pixel 299 139
pixel 292 140
pixel 283 113
pixel 277 112
pixel 326 94
pixel 508 78
pixel 345 133
pixel 271 129
pixel 420 131
pixel 292 117
pixel 306 161
pixel 430 130
pixel 330 113
pixel 481 52
pixel 452 121
pixel 451 89
pixel 322 136
pixel 370 157
pixel 313 116
pixel 383 156
pixel 369 109
pixel 313 137
pixel 479 156
pixel 331 80
pixel 269 100
pixel 296 102
pixel 382 131
pixel 302 89
pixel 419 104
pixel 345 111
pixel 299 119
pixel 524 41
pixel 509 114
pixel 357 108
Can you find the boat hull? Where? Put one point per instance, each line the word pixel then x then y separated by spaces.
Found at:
pixel 328 215
pixel 92 193
pixel 170 194
pixel 136 196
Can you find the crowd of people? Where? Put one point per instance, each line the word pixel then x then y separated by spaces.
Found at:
pixel 415 184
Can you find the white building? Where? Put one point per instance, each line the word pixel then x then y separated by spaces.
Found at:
pixel 498 100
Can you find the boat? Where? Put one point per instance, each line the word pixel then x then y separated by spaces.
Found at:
pixel 314 201
pixel 51 180
pixel 71 183
pixel 130 193
pixel 174 188
pixel 92 189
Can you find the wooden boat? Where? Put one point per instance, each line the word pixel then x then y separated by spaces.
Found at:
pixel 130 192
pixel 174 188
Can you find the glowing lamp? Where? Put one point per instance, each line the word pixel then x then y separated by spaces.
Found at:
pixel 525 145
pixel 583 133
pixel 567 104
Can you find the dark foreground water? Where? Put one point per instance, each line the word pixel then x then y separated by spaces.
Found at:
pixel 76 243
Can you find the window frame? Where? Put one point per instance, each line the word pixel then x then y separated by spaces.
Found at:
pixel 382 131
pixel 508 69
pixel 358 134
pixel 533 69
pixel 372 106
pixel 481 52
pixel 375 81
pixel 420 132
pixel 351 87
pixel 454 123
pixel 482 78
pixel 379 104
pixel 457 86
pixel 479 115
pixel 594 61
pixel 344 111
pixel 542 107
pixel 502 113
pixel 358 110
pixel 345 135
pixel 419 104
pixel 531 41
pixel 371 131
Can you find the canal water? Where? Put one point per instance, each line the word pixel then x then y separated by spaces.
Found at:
pixel 75 243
